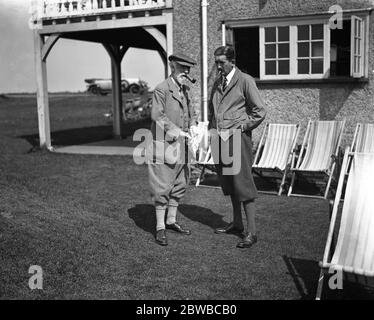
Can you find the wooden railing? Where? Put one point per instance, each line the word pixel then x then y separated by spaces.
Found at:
pixel 50 9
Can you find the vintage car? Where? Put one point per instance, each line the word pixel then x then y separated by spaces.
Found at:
pixel 104 86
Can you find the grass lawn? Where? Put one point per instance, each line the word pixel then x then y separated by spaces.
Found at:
pixel 89 223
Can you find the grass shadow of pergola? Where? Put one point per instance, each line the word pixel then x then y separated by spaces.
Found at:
pixel 79 136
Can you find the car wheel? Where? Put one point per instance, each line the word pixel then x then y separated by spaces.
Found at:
pixel 95 90
pixel 124 85
pixel 134 89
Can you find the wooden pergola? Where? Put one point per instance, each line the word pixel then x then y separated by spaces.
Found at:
pixel 116 24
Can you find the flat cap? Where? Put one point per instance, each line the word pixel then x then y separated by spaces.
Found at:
pixel 182 59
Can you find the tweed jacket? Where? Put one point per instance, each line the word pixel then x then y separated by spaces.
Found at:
pixel 240 104
pixel 171 110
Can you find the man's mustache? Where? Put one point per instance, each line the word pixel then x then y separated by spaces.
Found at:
pixel 193 80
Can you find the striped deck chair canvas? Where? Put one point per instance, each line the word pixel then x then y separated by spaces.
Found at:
pixel 319 151
pixel 277 151
pixel 363 140
pixel 354 251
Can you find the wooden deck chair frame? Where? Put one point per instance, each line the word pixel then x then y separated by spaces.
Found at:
pixel 325 265
pixel 205 162
pixel 358 136
pixel 331 167
pixel 283 173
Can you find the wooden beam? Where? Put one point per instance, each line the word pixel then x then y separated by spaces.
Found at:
pixel 108 47
pixel 42 92
pixel 158 36
pixel 123 51
pixel 105 24
pixel 52 39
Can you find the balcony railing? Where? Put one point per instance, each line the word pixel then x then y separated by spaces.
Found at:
pixel 54 9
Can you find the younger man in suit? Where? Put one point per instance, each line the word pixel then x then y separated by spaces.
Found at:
pixel 236 104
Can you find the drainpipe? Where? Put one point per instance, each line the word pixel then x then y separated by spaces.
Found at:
pixel 223 34
pixel 204 21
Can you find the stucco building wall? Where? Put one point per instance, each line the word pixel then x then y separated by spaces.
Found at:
pixel 286 103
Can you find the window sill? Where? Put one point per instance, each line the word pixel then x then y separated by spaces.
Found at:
pixel 314 81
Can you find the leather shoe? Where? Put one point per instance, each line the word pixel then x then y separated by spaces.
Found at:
pixel 178 228
pixel 229 229
pixel 161 237
pixel 248 241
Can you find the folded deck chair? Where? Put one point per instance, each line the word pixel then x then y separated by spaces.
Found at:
pixel 277 144
pixel 318 154
pixel 354 250
pixel 363 139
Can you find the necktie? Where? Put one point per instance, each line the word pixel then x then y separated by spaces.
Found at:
pixel 224 83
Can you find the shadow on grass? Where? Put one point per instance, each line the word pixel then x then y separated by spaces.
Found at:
pixel 202 215
pixel 85 135
pixel 144 216
pixel 305 274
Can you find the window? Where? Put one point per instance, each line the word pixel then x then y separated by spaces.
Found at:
pixel 294 51
pixel 340 51
pixel 300 48
pixel 310 49
pixel 277 50
pixel 357 47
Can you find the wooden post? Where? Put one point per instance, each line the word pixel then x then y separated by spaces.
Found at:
pixel 117 97
pixel 115 54
pixel 42 92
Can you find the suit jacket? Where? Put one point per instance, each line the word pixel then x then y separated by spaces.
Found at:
pixel 171 111
pixel 240 104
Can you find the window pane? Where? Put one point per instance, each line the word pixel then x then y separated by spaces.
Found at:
pixel 317 65
pixel 284 50
pixel 317 31
pixel 303 66
pixel 358 28
pixel 270 35
pixel 303 32
pixel 270 51
pixel 270 67
pixel 284 67
pixel 357 66
pixel 358 50
pixel 303 49
pixel 317 49
pixel 283 34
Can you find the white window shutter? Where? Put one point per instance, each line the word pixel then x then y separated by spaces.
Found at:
pixel 229 36
pixel 357 47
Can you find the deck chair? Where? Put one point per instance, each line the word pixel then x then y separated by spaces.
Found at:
pixel 354 250
pixel 318 154
pixel 363 139
pixel 275 150
pixel 205 159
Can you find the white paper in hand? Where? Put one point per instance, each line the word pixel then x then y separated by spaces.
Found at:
pixel 197 134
